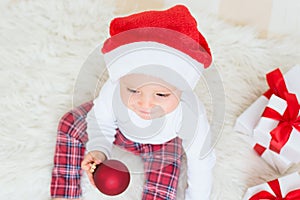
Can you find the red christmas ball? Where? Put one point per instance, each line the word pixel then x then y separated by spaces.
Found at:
pixel 111 177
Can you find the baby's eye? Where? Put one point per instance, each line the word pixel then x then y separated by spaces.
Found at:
pixel 132 90
pixel 162 95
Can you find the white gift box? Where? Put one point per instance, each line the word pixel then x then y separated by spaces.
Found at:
pixel 292 80
pixel 287 184
pixel 261 133
pixel 248 120
pixel 277 161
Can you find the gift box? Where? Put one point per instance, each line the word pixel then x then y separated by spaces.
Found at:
pixel 287 187
pixel 277 161
pixel 247 121
pixel 279 127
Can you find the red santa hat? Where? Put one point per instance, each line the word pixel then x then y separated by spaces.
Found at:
pixel 168 38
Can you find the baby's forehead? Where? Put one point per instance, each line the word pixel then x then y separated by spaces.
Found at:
pixel 140 80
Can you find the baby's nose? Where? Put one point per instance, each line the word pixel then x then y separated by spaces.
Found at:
pixel 146 102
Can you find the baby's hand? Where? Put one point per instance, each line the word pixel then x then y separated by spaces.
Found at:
pixel 90 161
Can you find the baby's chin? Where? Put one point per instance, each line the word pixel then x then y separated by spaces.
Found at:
pixel 150 116
pixel 145 117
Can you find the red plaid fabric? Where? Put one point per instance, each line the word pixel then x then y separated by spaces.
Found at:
pixel 69 153
pixel 161 164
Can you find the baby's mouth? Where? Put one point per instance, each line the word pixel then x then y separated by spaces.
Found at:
pixel 145 112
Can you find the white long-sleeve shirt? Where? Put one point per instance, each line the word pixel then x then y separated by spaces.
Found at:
pixel 109 113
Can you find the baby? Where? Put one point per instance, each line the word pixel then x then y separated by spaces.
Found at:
pixel 148 107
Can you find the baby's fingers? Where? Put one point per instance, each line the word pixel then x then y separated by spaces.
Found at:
pixel 85 166
pixel 89 169
pixel 92 168
pixel 91 178
pixel 88 159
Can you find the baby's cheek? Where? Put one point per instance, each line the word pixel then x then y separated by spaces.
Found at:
pixel 167 108
pixel 172 104
pixel 125 99
pixel 132 100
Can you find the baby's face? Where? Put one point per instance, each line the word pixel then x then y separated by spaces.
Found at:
pixel 147 96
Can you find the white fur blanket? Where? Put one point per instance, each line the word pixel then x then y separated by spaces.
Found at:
pixel 43 48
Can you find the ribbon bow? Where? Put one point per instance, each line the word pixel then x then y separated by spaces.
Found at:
pixel 276 84
pixel 287 121
pixel 275 186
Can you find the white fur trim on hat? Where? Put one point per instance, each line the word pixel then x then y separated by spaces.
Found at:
pixel 129 57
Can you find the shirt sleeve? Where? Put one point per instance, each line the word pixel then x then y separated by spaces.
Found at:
pixel 101 122
pixel 200 168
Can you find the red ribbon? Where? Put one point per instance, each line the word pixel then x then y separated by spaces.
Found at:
pixel 276 83
pixel 259 149
pixel 287 121
pixel 275 186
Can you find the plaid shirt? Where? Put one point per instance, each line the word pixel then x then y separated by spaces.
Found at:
pixel 161 166
pixel 69 153
pixel 161 162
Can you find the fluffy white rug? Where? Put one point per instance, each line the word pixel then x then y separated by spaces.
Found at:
pixel 43 48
